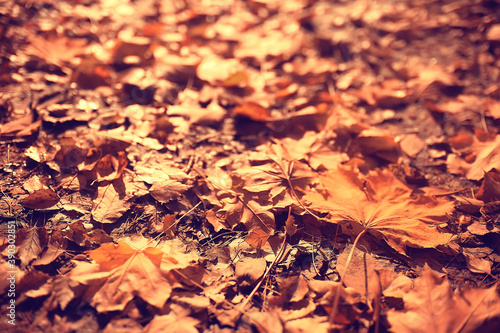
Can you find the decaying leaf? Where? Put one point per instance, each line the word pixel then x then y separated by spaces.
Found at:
pixel 172 323
pixel 256 137
pixel 56 49
pixel 248 270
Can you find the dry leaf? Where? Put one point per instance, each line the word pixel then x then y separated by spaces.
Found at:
pixel 411 145
pixel 479 156
pixel 35 240
pixel 172 323
pixel 132 267
pixel 56 50
pixel 252 111
pixel 431 306
pixel 109 205
pixel 382 205
pixel 487 158
pixel 41 199
pixel 250 269
pixel 490 187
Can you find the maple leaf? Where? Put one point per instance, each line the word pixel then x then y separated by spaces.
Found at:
pixel 487 158
pixel 482 149
pixel 57 49
pixel 382 205
pixel 431 306
pixel 132 267
pixel 234 206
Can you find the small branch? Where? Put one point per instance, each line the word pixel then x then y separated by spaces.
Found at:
pixel 276 259
pixel 173 224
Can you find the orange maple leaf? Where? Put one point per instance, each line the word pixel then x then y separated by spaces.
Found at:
pixel 483 150
pixel 431 306
pixel 132 267
pixel 382 206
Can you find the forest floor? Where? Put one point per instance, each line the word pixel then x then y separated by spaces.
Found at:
pixel 250 166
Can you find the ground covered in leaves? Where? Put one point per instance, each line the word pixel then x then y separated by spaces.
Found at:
pixel 250 166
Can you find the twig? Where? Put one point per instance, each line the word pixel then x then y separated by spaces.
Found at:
pixel 471 313
pixel 276 259
pixel 173 224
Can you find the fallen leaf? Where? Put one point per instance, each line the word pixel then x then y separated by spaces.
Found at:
pixel 172 323
pixel 41 199
pixel 110 167
pixel 383 206
pixel 132 267
pixel 487 158
pixel 56 50
pixel 252 111
pixel 33 242
pixel 109 204
pixel 412 144
pixel 490 187
pixel 214 69
pixel 168 190
pixel 431 306
pixel 362 271
pixel 248 270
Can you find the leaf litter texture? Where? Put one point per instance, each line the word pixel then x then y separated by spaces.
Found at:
pixel 377 203
pixel 384 206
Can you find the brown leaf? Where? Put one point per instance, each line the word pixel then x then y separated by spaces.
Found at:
pixel 257 237
pixel 294 289
pixel 290 226
pixel 35 240
pixel 487 158
pixel 15 127
pixel 110 167
pixel 172 323
pixel 362 271
pixel 490 187
pixel 56 50
pixel 477 158
pixel 412 144
pixel 109 205
pixel 168 190
pixel 41 199
pixel 250 269
pixel 252 111
pixel 214 69
pixel 168 225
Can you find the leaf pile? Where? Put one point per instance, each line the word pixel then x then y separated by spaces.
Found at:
pixel 270 166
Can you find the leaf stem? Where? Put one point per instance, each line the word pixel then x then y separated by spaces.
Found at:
pixel 276 259
pixel 335 306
